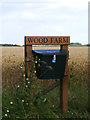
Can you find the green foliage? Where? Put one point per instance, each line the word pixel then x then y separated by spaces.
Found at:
pixel 78 91
pixel 9 45
pixel 76 45
pixel 20 101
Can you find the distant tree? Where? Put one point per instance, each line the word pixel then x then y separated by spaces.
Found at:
pixel 88 44
pixel 76 44
pixel 9 45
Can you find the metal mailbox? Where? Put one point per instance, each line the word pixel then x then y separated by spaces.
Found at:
pixel 50 64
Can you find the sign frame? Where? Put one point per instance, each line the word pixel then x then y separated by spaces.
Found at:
pixel 47 40
pixel 63 46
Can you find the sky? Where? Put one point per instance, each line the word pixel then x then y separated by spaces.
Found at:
pixel 19 18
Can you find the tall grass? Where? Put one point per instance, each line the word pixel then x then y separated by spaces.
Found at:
pixel 18 100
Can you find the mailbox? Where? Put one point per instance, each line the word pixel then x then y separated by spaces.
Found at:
pixel 50 64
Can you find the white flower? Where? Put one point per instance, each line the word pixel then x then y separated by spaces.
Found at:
pixel 72 113
pixel 11 103
pixel 27 59
pixel 5 114
pixel 21 67
pixel 38 59
pixel 35 71
pixel 18 86
pixel 24 75
pixel 35 61
pixel 27 79
pixel 38 116
pixel 26 86
pixel 52 105
pixel 7 110
pixel 22 100
pixel 28 82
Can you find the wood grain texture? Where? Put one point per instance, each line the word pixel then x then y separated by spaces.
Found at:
pixel 28 53
pixel 64 94
pixel 64 85
pixel 47 40
pixel 65 47
pixel 64 41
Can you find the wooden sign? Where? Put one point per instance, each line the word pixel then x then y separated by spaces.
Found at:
pixel 47 40
pixel 63 41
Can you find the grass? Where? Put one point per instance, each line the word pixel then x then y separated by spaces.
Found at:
pixel 19 103
pixel 47 106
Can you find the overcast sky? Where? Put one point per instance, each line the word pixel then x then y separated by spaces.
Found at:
pixel 44 18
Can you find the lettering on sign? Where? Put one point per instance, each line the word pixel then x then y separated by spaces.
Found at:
pixel 53 40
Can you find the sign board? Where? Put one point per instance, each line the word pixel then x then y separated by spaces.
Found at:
pixel 47 40
pixel 63 41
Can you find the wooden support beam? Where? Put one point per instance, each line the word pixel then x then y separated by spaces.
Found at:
pixel 28 53
pixel 64 41
pixel 28 62
pixel 48 89
pixel 64 85
pixel 64 95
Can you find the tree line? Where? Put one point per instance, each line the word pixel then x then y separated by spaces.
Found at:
pixel 71 45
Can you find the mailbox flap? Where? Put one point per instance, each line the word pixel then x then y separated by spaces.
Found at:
pixel 50 52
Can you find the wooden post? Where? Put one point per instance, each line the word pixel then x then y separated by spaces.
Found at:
pixel 64 86
pixel 28 53
pixel 28 62
pixel 64 41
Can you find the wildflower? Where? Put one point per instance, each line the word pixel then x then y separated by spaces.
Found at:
pixel 44 99
pixel 26 103
pixel 27 59
pixel 21 67
pixel 73 97
pixel 72 113
pixel 11 103
pixel 38 59
pixel 28 82
pixel 35 61
pixel 22 100
pixel 24 75
pixel 5 114
pixel 27 79
pixel 38 116
pixel 52 105
pixel 35 71
pixel 7 110
pixel 18 86
pixel 26 86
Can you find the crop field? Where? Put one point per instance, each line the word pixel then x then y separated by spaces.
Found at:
pixel 13 56
pixel 12 67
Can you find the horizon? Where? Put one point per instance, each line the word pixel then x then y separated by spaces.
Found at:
pixel 42 45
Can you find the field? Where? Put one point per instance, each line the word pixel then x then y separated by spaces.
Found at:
pixel 13 57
